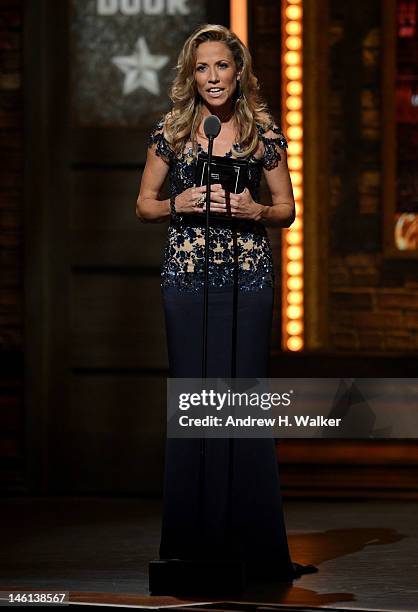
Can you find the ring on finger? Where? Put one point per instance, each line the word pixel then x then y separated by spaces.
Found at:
pixel 199 203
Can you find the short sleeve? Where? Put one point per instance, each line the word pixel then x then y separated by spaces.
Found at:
pixel 272 145
pixel 162 147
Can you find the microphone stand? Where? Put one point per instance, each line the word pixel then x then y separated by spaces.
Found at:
pixel 235 569
pixel 202 450
pixel 206 277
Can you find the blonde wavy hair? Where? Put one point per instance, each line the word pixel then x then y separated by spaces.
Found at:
pixel 182 122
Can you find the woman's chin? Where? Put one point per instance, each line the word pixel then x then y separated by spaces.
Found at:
pixel 218 103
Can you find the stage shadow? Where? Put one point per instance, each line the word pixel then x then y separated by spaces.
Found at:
pixel 317 547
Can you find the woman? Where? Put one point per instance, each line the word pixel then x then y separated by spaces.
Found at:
pixel 242 515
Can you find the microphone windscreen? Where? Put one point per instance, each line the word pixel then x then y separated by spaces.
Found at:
pixel 212 126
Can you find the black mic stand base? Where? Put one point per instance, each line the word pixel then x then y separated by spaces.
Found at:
pixel 196 577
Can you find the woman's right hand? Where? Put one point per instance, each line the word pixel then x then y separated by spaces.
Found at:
pixel 187 201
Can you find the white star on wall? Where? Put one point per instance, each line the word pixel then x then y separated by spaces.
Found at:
pixel 140 68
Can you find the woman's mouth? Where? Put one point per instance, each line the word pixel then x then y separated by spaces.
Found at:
pixel 215 92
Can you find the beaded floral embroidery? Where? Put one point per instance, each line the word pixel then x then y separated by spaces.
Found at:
pixel 238 248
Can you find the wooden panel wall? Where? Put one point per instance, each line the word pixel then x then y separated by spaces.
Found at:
pixel 12 447
pixel 104 331
pixel 97 349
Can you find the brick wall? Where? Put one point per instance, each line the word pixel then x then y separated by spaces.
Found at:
pixel 373 301
pixel 11 243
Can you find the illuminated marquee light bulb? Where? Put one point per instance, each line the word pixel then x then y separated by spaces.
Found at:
pixel 297 224
pixel 294 13
pixel 295 132
pixel 294 148
pixel 294 283
pixel 293 73
pixel 295 343
pixel 292 58
pixel 294 162
pixel 294 117
pixel 294 103
pixel 294 268
pixel 294 252
pixel 294 328
pixel 293 237
pixel 294 312
pixel 295 297
pixel 294 88
pixel 297 193
pixel 296 178
pixel 293 43
pixel 293 28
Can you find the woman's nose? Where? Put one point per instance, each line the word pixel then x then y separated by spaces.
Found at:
pixel 213 77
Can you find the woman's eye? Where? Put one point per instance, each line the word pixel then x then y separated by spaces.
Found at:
pixel 200 68
pixel 223 65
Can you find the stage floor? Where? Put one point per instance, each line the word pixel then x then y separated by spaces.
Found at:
pixel 98 549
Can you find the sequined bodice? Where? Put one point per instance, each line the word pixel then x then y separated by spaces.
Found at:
pixel 239 250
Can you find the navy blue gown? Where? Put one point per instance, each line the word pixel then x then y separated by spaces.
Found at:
pixel 242 514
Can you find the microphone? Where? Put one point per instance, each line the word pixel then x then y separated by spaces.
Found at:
pixel 211 126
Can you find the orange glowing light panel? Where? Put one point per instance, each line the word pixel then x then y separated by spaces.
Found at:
pixel 239 19
pixel 292 123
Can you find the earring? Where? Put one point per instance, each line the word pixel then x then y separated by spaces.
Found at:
pixel 238 91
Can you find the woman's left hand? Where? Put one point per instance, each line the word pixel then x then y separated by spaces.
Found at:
pixel 244 207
